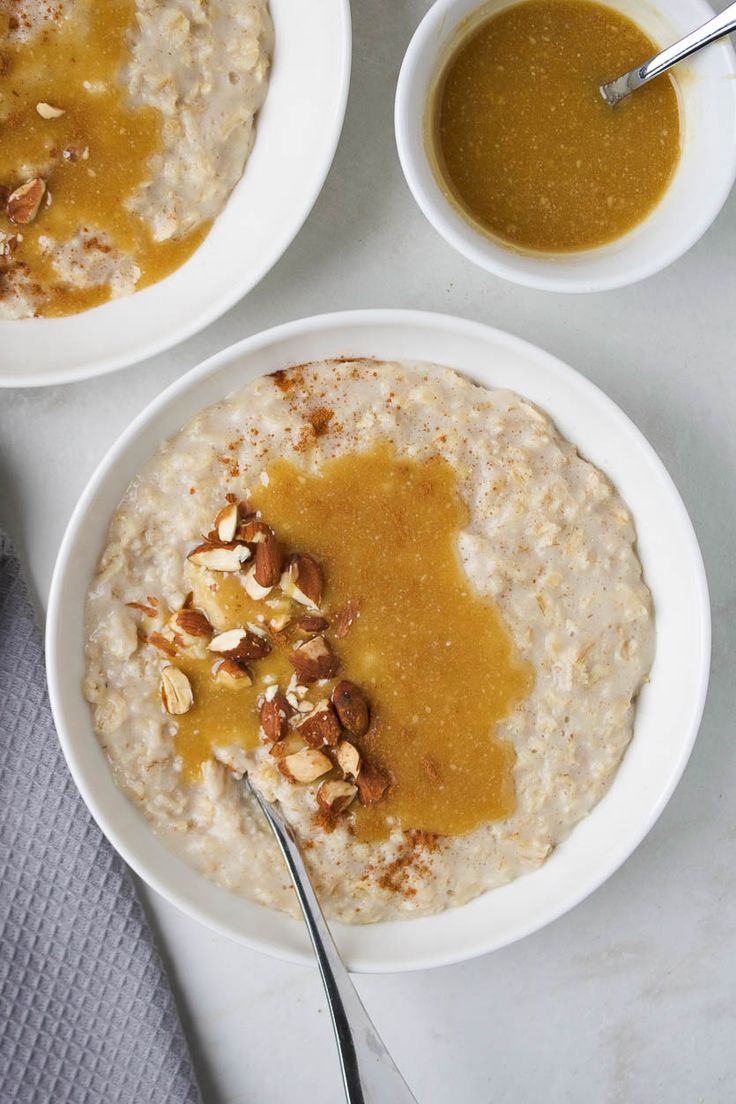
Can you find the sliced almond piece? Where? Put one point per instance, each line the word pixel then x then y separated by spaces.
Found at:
pixel 371 784
pixel 192 623
pixel 240 644
pixel 268 561
pixel 314 660
pixel 320 726
pixel 302 580
pixel 348 758
pixel 23 203
pixel 311 624
pixel 176 691
pixel 351 705
pixel 253 531
pixel 253 588
pixel 227 642
pixel 232 673
pixel 220 557
pixel 305 765
pixel 149 611
pixel 275 713
pixel 255 646
pixel 159 641
pixel 277 622
pixel 226 522
pixel 334 796
pixel 46 111
pixel 345 618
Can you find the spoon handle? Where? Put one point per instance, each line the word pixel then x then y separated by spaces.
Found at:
pixel 720 25
pixel 368 1070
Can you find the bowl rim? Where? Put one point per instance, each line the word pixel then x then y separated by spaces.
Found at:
pixel 474 247
pixel 199 319
pixel 388 960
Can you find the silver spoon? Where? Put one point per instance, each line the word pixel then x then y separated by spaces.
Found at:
pixel 717 27
pixel 368 1071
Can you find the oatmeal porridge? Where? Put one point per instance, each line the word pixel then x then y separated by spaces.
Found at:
pixel 125 125
pixel 402 603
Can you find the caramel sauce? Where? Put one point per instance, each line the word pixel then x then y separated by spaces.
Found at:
pixel 75 64
pixel 222 714
pixel 524 144
pixel 433 656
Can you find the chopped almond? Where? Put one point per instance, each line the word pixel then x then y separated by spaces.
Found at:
pixel 348 758
pixel 321 726
pixel 302 580
pixel 345 618
pixel 220 557
pixel 230 672
pixel 371 784
pixel 253 531
pixel 253 588
pixel 334 796
pixel 23 203
pixel 279 623
pixel 268 561
pixel 275 713
pixel 226 522
pixel 351 705
pixel 314 660
pixel 47 111
pixel 305 765
pixel 176 691
pixel 192 623
pixel 310 625
pixel 240 644
pixel 160 642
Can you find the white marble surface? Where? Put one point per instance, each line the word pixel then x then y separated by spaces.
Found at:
pixel 629 999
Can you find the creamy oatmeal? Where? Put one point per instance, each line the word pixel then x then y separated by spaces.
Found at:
pixel 125 126
pixel 402 603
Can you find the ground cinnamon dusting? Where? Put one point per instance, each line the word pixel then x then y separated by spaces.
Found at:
pixel 320 420
pixel 287 378
pixel 410 861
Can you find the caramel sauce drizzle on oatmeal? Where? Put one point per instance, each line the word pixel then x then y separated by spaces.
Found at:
pixel 432 657
pixel 65 120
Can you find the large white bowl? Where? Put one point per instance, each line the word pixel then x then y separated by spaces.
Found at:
pixel 297 133
pixel 667 717
pixel 702 180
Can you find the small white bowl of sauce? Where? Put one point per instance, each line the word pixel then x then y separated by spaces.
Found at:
pixel 518 163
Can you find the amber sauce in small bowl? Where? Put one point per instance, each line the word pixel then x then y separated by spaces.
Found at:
pixel 521 141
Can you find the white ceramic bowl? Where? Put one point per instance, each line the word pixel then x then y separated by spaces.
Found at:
pixel 298 130
pixel 702 181
pixel 667 717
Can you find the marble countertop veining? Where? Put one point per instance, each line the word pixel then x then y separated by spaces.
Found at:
pixel 629 998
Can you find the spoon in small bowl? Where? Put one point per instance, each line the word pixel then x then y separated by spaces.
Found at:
pixel 368 1070
pixel 724 23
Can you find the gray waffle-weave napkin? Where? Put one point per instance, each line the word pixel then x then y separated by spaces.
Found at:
pixel 86 1013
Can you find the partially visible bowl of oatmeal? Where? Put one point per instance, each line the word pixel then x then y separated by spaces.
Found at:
pixel 407 572
pixel 157 159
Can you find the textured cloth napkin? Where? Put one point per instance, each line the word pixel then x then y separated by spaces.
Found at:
pixel 86 1013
